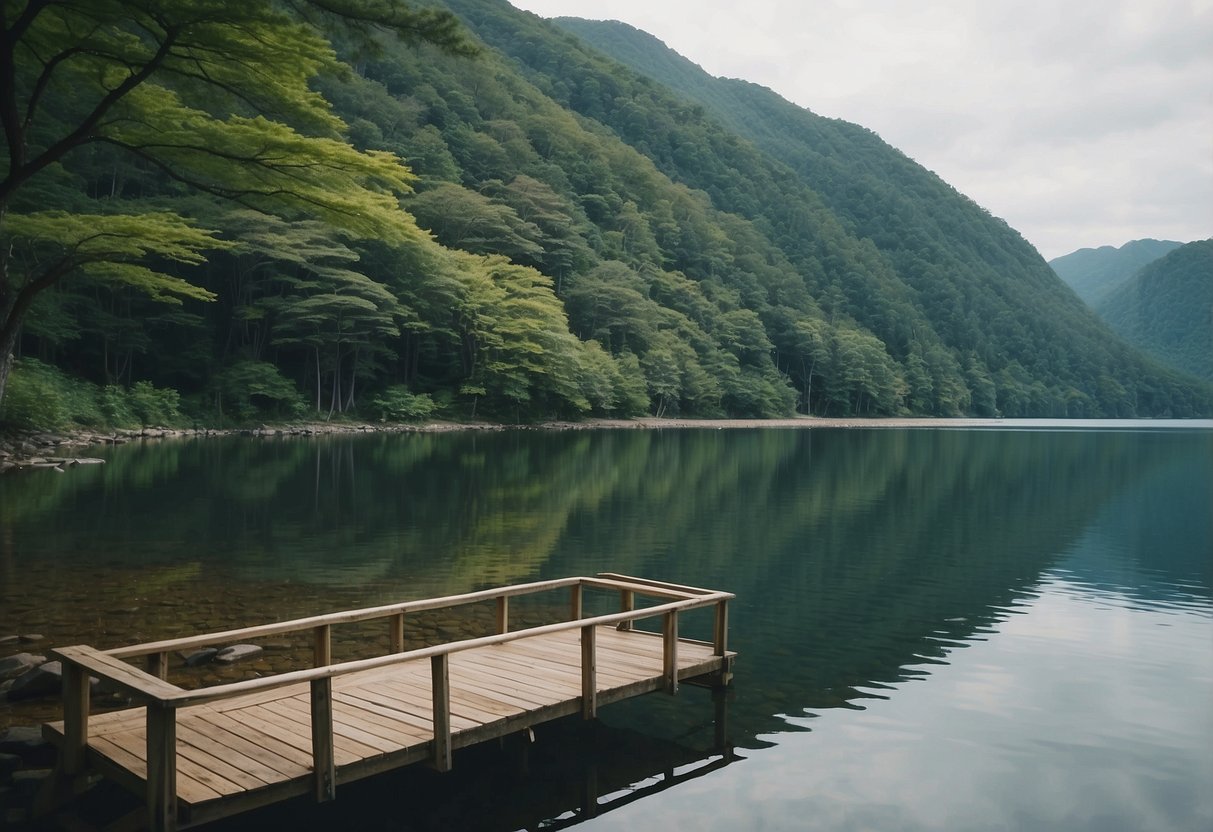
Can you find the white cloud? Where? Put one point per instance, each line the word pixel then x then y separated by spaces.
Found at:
pixel 1083 123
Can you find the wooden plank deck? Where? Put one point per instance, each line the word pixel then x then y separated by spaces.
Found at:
pixel 258 744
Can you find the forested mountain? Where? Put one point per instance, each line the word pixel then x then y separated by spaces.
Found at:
pixel 1095 273
pixel 573 238
pixel 1167 309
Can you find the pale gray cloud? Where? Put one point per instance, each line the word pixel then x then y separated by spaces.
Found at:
pixel 1082 123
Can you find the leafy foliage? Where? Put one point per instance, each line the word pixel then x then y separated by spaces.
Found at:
pixel 569 237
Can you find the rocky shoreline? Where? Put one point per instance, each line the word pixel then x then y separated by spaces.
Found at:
pixel 59 450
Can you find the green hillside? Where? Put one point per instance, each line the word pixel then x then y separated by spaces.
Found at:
pixel 988 295
pixel 1095 273
pixel 570 238
pixel 1167 309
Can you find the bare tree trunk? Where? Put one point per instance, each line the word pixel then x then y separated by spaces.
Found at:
pixel 349 399
pixel 317 379
pixel 335 395
pixel 6 362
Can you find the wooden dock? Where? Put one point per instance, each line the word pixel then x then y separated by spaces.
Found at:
pixel 202 754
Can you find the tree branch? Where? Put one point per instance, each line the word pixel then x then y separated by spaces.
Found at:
pixel 88 124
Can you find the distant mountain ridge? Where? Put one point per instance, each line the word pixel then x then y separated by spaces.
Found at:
pixel 1167 309
pixel 1095 273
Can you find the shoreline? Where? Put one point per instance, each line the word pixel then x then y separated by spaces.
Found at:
pixel 58 450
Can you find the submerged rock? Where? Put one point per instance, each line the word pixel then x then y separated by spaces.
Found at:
pixel 200 657
pixel 237 652
pixel 26 742
pixel 18 664
pixel 44 680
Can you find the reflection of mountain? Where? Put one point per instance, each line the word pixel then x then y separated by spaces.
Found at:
pixel 857 556
pixel 860 556
pixel 1153 543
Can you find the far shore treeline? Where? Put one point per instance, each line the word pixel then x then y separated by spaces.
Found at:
pixel 232 210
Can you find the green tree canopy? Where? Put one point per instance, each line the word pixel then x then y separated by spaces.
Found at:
pixel 212 94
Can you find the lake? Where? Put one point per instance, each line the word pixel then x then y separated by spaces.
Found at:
pixel 994 629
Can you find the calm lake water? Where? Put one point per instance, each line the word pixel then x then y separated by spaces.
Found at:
pixel 938 629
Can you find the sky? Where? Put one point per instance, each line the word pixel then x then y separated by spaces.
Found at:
pixel 1082 123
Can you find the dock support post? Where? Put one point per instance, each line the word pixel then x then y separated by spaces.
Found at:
pixel 670 651
pixel 575 602
pixel 440 681
pixel 503 614
pixel 589 673
pixel 323 760
pixel 161 767
pixel 323 646
pixel 75 719
pixel 720 638
pixel 720 642
pixel 627 603
pixel 157 665
pixel 396 635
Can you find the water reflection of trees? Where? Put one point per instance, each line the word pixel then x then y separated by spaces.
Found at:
pixel 857 556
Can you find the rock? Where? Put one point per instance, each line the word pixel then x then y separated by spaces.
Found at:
pixel 16 665
pixel 9 639
pixel 9 763
pixel 237 652
pixel 200 657
pixel 30 638
pixel 44 680
pixel 28 782
pixel 25 741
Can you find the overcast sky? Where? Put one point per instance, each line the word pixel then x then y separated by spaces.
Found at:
pixel 1080 122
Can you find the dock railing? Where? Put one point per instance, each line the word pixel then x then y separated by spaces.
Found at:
pixel 162 699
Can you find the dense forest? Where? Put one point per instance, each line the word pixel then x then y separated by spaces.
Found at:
pixel 1167 309
pixel 1094 273
pixel 248 210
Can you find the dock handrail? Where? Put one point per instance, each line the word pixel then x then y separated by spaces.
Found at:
pixel 162 698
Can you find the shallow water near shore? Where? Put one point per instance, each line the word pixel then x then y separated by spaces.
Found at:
pixel 976 628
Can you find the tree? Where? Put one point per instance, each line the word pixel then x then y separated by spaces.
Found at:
pixel 211 94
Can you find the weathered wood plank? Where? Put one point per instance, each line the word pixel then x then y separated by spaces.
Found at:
pixel 257 753
pixel 131 680
pixel 267 748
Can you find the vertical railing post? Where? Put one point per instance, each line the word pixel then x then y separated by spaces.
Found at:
pixel 323 645
pixel 323 760
pixel 720 638
pixel 575 602
pixel 589 673
pixel 161 767
pixel 396 634
pixel 75 718
pixel 440 682
pixel 669 657
pixel 503 614
pixel 627 603
pixel 157 665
